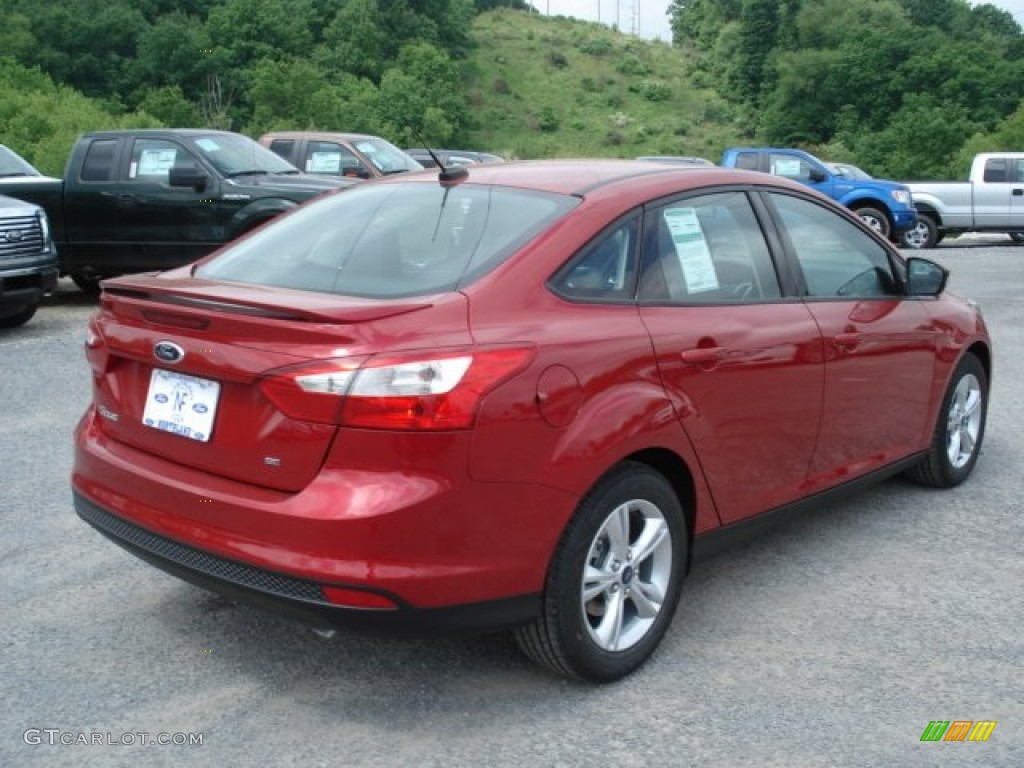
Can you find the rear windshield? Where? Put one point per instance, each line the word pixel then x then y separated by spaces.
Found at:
pixel 391 240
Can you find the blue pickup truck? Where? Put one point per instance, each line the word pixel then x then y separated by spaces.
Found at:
pixel 884 205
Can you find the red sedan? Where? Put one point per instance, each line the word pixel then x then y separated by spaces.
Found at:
pixel 522 395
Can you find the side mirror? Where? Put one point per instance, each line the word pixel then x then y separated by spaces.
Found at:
pixel 816 175
pixel 925 277
pixel 187 177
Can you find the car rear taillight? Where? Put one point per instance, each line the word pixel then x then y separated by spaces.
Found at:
pixel 411 391
pixel 95 348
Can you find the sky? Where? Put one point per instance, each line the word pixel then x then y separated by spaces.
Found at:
pixel 653 18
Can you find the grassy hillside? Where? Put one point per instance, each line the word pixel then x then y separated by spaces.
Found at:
pixel 556 87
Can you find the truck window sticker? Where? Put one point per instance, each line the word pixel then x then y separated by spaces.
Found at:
pixel 207 144
pixel 153 162
pixel 324 162
pixel 787 166
pixel 691 249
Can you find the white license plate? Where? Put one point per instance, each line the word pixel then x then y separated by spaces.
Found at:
pixel 182 404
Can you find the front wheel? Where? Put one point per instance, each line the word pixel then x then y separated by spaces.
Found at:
pixel 959 430
pixel 18 316
pixel 614 581
pixel 875 219
pixel 924 234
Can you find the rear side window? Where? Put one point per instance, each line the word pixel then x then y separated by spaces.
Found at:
pixel 99 161
pixel 995 170
pixel 707 249
pixel 606 268
pixel 283 147
pixel 391 240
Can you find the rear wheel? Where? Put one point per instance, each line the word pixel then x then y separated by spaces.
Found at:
pixel 924 234
pixel 614 581
pixel 12 318
pixel 875 219
pixel 90 285
pixel 960 428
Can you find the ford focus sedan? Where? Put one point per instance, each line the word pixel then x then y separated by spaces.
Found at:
pixel 518 396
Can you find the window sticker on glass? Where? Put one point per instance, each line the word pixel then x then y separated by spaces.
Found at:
pixel 366 148
pixel 156 162
pixel 785 166
pixel 691 249
pixel 208 144
pixel 324 162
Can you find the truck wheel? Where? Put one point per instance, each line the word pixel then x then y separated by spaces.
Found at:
pixel 924 234
pixel 19 316
pixel 90 285
pixel 614 580
pixel 875 219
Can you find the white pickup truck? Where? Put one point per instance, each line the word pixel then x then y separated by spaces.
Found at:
pixel 992 201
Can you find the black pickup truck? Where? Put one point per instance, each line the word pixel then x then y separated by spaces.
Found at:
pixel 135 201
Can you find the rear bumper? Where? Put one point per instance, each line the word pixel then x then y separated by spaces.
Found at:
pixel 428 545
pixel 298 599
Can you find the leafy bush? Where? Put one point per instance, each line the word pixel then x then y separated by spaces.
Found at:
pixel 597 46
pixel 557 59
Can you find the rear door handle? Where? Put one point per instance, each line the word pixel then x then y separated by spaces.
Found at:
pixel 703 355
pixel 1018 192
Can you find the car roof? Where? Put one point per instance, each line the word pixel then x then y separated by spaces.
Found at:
pixel 318 136
pixel 181 132
pixel 581 177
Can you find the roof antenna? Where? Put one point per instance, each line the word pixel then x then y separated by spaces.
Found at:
pixel 451 175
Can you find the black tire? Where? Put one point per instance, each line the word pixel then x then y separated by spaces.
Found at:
pixel 875 219
pixel 18 316
pixel 961 419
pixel 90 285
pixel 624 584
pixel 924 234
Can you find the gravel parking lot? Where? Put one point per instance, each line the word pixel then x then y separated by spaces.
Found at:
pixel 831 641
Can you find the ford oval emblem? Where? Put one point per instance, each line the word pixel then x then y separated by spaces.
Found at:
pixel 168 352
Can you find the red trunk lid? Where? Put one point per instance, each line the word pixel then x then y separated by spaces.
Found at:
pixel 230 337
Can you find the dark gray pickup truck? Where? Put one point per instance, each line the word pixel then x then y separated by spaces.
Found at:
pixel 28 259
pixel 142 200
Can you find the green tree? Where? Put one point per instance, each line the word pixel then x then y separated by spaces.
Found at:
pixel 758 29
pixel 421 98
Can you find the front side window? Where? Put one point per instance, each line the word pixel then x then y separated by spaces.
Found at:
pixel 837 258
pixel 152 160
pixel 706 250
pixel 391 240
pixel 333 158
pixel 790 167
